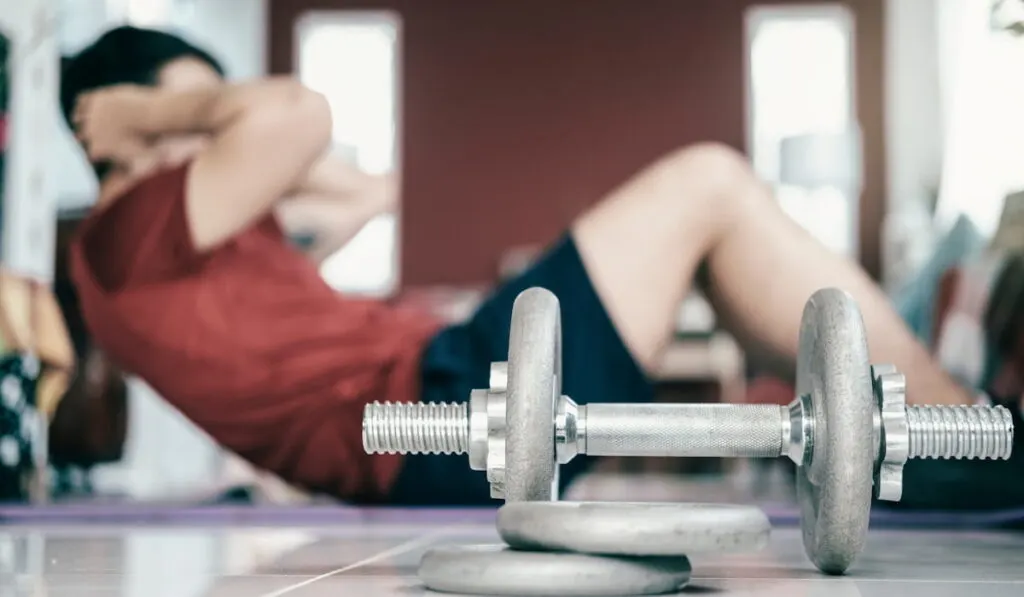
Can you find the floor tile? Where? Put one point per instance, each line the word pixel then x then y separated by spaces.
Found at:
pixel 377 556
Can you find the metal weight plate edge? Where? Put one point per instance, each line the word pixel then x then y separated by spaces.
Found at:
pixel 833 368
pixel 534 386
pixel 500 570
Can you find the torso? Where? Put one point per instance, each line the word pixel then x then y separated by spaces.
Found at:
pixel 252 316
pixel 247 340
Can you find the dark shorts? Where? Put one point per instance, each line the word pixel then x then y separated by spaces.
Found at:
pixel 596 367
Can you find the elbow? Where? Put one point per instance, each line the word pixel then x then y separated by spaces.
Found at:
pixel 302 115
pixel 310 107
pixel 310 115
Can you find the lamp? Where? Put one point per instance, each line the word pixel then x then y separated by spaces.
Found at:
pixel 820 182
pixel 822 160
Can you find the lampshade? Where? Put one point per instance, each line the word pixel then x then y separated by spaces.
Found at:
pixel 821 159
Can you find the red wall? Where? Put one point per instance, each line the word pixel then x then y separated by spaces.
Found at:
pixel 520 114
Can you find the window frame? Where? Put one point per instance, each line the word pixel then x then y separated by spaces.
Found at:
pixel 757 16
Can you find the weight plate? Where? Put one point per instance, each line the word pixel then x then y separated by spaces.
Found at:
pixel 499 570
pixel 633 529
pixel 834 490
pixel 534 386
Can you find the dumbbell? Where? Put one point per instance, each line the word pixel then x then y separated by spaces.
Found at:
pixel 849 429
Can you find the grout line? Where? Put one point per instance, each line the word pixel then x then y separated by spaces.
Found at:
pixel 394 551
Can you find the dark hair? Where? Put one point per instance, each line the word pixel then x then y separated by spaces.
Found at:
pixel 125 55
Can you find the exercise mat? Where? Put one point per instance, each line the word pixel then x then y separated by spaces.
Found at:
pixel 126 512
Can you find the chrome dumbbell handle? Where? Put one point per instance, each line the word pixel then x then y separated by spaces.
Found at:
pixel 680 430
pixel 686 430
pixel 900 432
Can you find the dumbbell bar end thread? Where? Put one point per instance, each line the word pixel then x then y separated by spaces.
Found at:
pixel 960 432
pixel 415 428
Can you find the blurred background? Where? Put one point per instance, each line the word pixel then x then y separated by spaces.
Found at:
pixel 891 129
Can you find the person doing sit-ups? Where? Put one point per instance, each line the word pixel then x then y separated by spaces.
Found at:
pixel 187 276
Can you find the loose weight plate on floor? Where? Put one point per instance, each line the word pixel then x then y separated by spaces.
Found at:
pixel 633 529
pixel 834 371
pixel 500 570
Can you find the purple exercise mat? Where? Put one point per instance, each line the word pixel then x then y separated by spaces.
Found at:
pixel 170 514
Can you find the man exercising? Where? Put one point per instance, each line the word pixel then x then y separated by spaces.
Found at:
pixel 187 277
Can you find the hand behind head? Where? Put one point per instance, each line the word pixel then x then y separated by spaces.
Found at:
pixel 161 154
pixel 103 122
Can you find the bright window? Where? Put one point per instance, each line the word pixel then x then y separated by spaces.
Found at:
pixel 800 95
pixel 984 91
pixel 141 13
pixel 352 58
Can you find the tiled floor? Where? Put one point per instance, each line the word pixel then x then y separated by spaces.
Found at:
pixel 374 554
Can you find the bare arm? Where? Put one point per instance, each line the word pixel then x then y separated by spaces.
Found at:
pixel 332 204
pixel 325 224
pixel 266 136
pixel 334 175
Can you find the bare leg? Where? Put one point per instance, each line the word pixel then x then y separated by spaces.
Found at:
pixel 644 243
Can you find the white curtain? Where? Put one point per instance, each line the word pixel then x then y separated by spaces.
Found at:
pixel 29 206
pixel 982 103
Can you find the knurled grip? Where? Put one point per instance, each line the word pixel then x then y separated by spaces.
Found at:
pixel 685 430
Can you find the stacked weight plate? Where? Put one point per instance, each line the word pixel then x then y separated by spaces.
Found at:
pixel 594 548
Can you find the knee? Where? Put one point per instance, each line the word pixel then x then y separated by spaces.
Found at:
pixel 714 164
pixel 707 176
